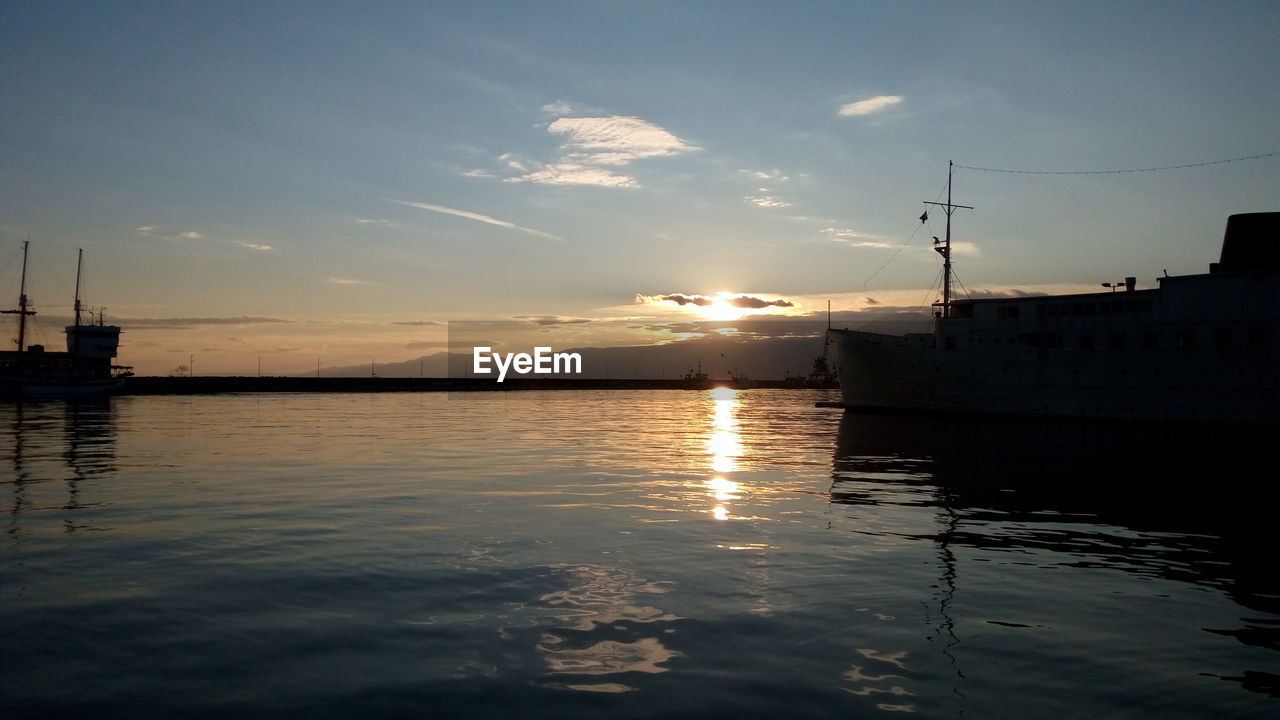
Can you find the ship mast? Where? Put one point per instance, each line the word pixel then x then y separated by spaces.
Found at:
pixel 22 312
pixel 75 332
pixel 944 249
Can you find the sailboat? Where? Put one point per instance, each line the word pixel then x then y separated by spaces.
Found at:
pixel 1199 348
pixel 86 368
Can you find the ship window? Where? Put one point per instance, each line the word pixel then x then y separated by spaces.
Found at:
pixel 1222 338
pixel 1007 312
pixel 1186 339
pixel 1117 341
pixel 1086 342
pixel 1150 341
pixel 950 343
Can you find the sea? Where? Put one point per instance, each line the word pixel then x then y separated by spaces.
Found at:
pixel 626 554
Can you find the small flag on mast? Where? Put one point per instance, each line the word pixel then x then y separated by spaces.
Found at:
pixel 925 216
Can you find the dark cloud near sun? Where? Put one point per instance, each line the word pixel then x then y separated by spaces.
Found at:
pixel 755 303
pixel 678 298
pixel 418 323
pixel 750 302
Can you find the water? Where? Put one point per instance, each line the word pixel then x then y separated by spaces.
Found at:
pixel 624 554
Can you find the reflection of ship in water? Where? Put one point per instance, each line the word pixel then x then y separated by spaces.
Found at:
pixel 1187 504
pixel 57 441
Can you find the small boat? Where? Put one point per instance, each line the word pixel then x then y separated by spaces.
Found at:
pixel 86 368
pixel 1198 348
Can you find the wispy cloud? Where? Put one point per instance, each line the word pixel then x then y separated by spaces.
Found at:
pixel 766 201
pixel 254 246
pixel 594 148
pixel 551 319
pixel 478 218
pixel 869 106
pixel 764 196
pixel 418 323
pixel 190 322
pixel 854 238
pixel 559 108
pixel 152 231
pixel 346 281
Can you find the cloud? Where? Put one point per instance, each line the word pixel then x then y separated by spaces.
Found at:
pixel 192 322
pixel 146 229
pixel 678 298
pixel 346 281
pixel 965 249
pixel 559 108
pixel 871 301
pixel 254 246
pixel 854 238
pixel 191 235
pixel 595 147
pixel 774 174
pixel 982 294
pixel 418 323
pixel 869 106
pixel 755 303
pixel 478 218
pixel 374 221
pixel 551 319
pixel 740 301
pixel 767 201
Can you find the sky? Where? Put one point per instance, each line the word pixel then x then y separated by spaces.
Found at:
pixel 293 183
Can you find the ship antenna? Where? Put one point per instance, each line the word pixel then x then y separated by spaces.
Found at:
pixel 945 250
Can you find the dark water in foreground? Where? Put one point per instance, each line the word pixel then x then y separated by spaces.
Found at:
pixel 625 554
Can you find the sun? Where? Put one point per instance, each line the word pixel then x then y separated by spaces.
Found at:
pixel 721 309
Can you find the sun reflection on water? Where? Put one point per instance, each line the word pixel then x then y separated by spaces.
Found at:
pixel 725 444
pixel 725 448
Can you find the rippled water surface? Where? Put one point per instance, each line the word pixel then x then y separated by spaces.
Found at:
pixel 625 554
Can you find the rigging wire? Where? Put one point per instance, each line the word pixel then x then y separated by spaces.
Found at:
pixel 912 324
pixel 1119 172
pixel 904 243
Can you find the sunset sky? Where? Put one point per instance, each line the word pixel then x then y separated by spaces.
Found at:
pixel 336 181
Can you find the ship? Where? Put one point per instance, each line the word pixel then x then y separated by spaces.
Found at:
pixel 1201 348
pixel 87 367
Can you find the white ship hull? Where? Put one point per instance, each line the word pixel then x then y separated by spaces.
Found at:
pixel 1201 348
pixel 895 373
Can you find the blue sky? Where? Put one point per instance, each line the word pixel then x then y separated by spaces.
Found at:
pixel 334 171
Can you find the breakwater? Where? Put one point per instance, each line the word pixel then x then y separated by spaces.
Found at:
pixel 211 385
